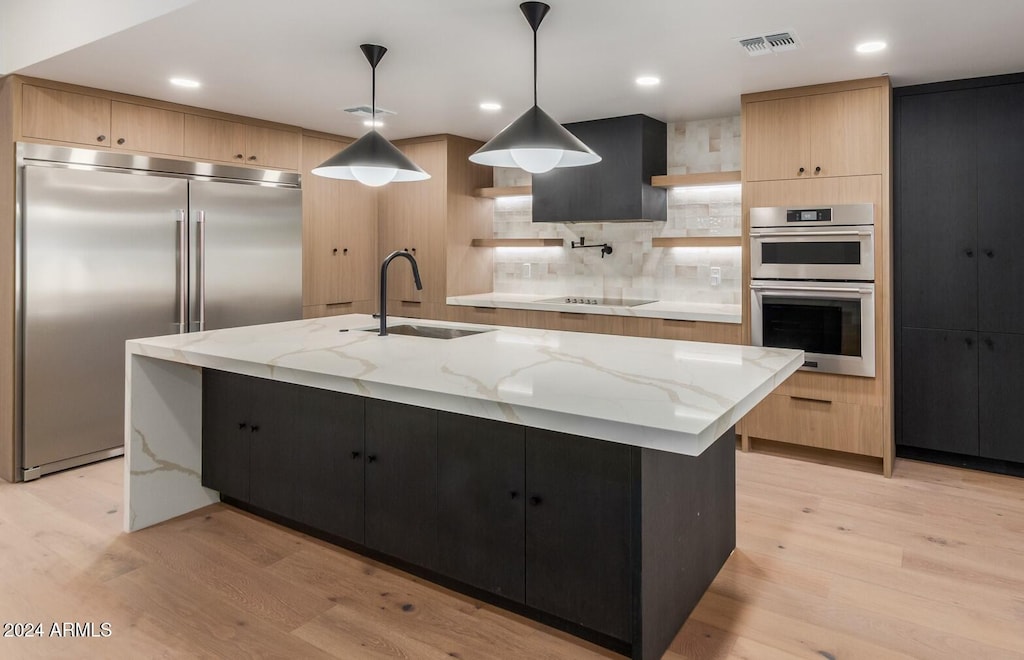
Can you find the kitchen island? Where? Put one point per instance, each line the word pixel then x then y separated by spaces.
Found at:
pixel 586 481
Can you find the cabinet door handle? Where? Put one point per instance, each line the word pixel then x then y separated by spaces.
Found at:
pixel 989 343
pixel 334 251
pixel 968 341
pixel 241 425
pixel 371 458
pixel 357 454
pixel 800 171
pixel 252 157
pixel 239 156
pixel 817 170
pixel 806 398
pixel 536 500
pixel 969 252
pixel 101 138
pixel 120 140
pixel 255 428
pixel 989 253
pixel 513 494
pixel 344 250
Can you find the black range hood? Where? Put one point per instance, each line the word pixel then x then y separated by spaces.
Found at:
pixel 617 189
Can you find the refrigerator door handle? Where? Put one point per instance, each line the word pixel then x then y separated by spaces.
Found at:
pixel 182 223
pixel 201 267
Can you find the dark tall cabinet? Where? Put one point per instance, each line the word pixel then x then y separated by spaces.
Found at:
pixel 959 229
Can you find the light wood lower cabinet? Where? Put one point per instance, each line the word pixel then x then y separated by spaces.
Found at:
pixel 816 422
pixel 719 333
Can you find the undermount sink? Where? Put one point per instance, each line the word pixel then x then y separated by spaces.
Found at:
pixel 431 331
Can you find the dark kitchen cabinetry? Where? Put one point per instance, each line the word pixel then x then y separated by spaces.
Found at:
pixel 401 481
pixel 578 523
pixel 480 502
pixel 290 450
pixel 960 276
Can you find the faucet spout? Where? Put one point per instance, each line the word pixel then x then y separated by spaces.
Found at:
pixel 384 285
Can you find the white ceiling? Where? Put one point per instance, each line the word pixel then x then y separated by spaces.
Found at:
pixel 299 62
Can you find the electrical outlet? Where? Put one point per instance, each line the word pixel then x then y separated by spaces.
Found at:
pixel 716 275
pixel 527 271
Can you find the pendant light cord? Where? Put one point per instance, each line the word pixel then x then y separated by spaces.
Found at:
pixel 373 98
pixel 535 66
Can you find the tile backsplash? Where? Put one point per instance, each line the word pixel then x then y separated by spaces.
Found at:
pixel 635 269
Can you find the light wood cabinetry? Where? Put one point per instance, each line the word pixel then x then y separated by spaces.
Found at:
pixel 208 138
pixel 436 220
pixel 137 127
pixel 819 135
pixel 339 233
pixel 52 114
pixel 843 129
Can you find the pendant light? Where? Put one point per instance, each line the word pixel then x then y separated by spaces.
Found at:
pixel 535 142
pixel 371 160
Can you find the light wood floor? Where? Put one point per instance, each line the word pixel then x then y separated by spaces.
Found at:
pixel 830 563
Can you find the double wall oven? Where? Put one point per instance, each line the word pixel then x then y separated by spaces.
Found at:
pixel 812 284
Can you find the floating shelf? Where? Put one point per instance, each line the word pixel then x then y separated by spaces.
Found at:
pixel 517 242
pixel 697 241
pixel 701 179
pixel 510 191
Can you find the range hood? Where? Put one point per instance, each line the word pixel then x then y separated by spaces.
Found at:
pixel 618 189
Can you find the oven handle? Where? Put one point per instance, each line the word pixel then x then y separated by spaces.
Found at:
pixel 862 232
pixel 823 289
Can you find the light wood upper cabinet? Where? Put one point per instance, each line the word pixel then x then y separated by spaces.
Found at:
pixel 142 128
pixel 339 232
pixel 51 114
pixel 822 135
pixel 233 142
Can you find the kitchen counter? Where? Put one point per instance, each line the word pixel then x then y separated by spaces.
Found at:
pixel 661 309
pixel 623 448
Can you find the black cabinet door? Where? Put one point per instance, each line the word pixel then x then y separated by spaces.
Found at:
pixel 578 517
pixel 1001 367
pixel 307 456
pixel 480 481
pixel 936 215
pixel 226 419
pixel 401 481
pixel 1001 208
pixel 939 390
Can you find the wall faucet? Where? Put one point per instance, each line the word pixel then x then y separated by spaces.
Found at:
pixel 384 285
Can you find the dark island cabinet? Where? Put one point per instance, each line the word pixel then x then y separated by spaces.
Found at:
pixel 401 481
pixel 480 501
pixel 578 530
pixel 959 257
pixel 290 450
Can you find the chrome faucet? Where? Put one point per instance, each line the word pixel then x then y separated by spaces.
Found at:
pixel 384 285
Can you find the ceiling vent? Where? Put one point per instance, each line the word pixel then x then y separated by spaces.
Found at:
pixel 770 43
pixel 366 111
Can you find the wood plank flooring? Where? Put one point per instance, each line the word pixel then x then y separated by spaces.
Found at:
pixel 830 563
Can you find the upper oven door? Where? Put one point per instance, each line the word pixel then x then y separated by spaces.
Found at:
pixel 812 253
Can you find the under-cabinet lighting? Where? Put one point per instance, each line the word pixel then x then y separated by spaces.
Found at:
pixel 708 187
pixel 185 82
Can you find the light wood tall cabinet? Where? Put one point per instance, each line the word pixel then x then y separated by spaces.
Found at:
pixel 339 237
pixel 437 220
pixel 843 129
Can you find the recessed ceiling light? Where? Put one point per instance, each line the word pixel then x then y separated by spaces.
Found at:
pixel 871 46
pixel 373 123
pixel 490 105
pixel 648 81
pixel 184 82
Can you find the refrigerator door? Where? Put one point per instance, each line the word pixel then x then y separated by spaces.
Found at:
pixel 101 265
pixel 247 244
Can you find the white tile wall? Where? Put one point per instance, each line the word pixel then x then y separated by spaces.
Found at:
pixel 635 269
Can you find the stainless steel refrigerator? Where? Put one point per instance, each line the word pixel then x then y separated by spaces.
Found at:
pixel 114 247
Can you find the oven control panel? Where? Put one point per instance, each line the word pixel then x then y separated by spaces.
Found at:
pixel 809 215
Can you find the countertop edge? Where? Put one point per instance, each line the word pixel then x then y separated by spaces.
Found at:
pixel 605 310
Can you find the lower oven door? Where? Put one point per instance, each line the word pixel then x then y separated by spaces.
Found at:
pixel 833 323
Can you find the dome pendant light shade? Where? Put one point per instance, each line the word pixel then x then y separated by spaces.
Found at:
pixel 371 160
pixel 535 142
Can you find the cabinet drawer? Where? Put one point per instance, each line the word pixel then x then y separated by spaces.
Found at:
pixel 836 425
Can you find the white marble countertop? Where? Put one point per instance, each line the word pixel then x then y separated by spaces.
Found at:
pixel 661 309
pixel 672 395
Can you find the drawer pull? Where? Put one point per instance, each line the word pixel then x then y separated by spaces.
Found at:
pixel 805 398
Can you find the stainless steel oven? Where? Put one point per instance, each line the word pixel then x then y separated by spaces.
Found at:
pixel 826 243
pixel 834 323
